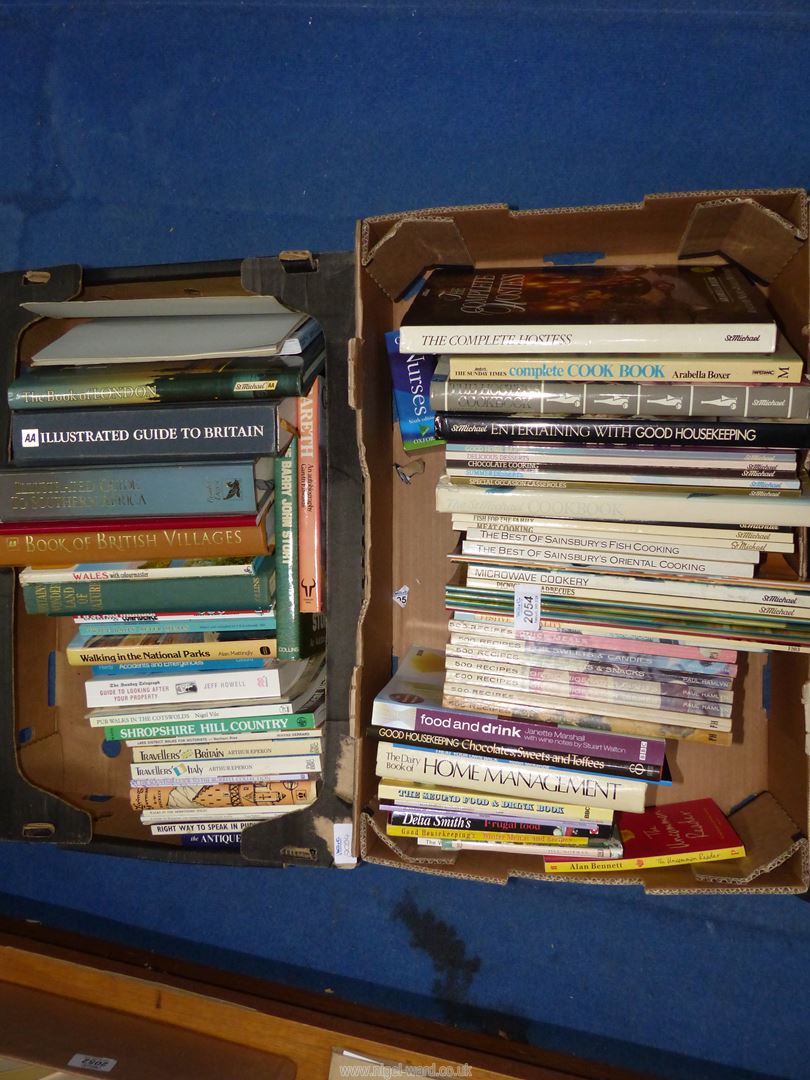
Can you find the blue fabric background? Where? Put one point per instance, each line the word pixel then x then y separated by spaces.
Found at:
pixel 137 132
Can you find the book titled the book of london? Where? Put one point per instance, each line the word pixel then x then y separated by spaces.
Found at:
pixel 589 309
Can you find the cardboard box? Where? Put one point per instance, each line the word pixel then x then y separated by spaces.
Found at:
pixel 59 784
pixel 406 541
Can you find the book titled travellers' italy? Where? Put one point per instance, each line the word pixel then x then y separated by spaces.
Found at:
pixel 589 309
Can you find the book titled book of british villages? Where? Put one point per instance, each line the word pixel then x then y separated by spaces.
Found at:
pixel 589 309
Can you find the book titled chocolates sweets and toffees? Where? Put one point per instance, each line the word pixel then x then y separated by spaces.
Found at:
pixel 587 309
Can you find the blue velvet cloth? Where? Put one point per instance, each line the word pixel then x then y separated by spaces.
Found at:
pixel 144 132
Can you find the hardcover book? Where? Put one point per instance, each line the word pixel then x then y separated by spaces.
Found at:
pixel 175 381
pixel 686 832
pixel 185 328
pixel 589 309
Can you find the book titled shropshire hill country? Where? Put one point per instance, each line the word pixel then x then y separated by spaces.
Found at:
pixel 589 309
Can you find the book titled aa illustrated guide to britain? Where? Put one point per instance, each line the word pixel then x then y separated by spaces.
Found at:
pixel 589 309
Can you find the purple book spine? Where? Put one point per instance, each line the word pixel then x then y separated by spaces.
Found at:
pixel 535 736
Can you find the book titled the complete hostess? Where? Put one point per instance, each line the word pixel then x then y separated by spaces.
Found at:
pixel 410 375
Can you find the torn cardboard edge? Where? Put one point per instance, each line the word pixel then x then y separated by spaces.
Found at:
pixel 770 836
pixel 733 225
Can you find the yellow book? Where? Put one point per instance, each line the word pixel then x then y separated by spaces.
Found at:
pixel 169 648
pixel 537 839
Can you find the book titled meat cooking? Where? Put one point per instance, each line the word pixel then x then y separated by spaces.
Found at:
pixel 589 309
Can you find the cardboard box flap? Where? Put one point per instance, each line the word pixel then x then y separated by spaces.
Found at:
pixel 407 849
pixel 770 837
pixel 412 245
pixel 758 239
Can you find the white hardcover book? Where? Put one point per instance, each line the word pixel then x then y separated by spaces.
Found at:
pixel 555 708
pixel 711 507
pixel 637 563
pixel 555 455
pixel 192 784
pixel 142 570
pixel 209 814
pixel 269 682
pixel 180 827
pixel 741 538
pixel 484 803
pixel 561 479
pixel 418 765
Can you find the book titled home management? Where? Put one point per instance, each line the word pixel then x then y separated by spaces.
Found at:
pixel 589 309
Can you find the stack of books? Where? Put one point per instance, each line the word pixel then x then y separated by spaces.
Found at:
pixel 184 433
pixel 609 572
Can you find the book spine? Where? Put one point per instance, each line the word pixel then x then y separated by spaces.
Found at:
pixel 157 625
pixel 587 866
pixel 194 828
pixel 244 649
pixel 178 594
pixel 222 770
pixel 597 721
pixel 709 374
pixel 713 660
pixel 742 537
pixel 310 553
pixel 211 751
pixel 206 729
pixel 465 428
pixel 275 793
pixel 471 654
pixel 298 634
pixel 493 836
pixel 169 667
pixel 160 689
pixel 556 709
pixel 685 481
pixel 606 458
pixel 461 771
pixel 543 826
pixel 608 676
pixel 609 856
pixel 667 399
pixel 93 491
pixel 753 595
pixel 586 688
pixel 583 763
pixel 201 839
pixel 525 553
pixel 191 783
pixel 138 385
pixel 592 502
pixel 482 802
pixel 573 543
pixel 572 338
pixel 162 433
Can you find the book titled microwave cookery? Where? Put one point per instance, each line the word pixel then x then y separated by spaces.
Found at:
pixel 589 309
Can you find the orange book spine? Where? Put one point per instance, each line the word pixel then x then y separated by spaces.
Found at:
pixel 66 548
pixel 310 569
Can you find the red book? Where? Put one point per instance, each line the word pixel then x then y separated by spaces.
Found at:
pixel 106 525
pixel 685 832
pixel 310 541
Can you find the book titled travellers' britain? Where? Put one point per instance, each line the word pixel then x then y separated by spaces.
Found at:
pixel 589 309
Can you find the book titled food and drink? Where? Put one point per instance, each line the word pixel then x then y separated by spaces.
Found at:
pixel 165 493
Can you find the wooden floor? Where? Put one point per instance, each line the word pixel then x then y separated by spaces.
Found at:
pixel 57 1002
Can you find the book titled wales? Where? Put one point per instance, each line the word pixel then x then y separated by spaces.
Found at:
pixel 589 309
pixel 681 833
pixel 162 433
pixel 126 491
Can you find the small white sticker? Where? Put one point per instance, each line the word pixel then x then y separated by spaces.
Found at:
pixel 94 1064
pixel 343 844
pixel 401 596
pixel 527 607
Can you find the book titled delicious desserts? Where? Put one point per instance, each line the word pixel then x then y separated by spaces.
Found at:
pixel 686 832
pixel 589 309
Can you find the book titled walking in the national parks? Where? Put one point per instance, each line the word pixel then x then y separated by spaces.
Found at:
pixel 589 309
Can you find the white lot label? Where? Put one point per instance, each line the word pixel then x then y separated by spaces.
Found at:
pixel 343 844
pixel 527 607
pixel 92 1063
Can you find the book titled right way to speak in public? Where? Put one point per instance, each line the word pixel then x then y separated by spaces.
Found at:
pixel 589 309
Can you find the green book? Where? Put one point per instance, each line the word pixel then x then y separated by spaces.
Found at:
pixel 167 382
pixel 298 634
pixel 211 729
